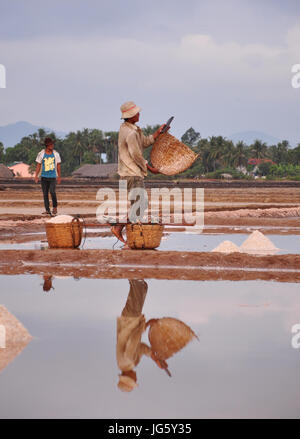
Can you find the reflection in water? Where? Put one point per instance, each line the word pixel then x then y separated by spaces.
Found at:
pixel 48 281
pixel 167 336
pixel 47 286
pixel 16 337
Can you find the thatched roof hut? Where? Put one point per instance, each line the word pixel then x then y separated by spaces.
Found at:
pixel 5 173
pixel 108 170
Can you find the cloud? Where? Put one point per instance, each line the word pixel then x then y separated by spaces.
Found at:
pixel 66 82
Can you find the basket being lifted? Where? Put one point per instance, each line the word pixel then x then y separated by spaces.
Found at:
pixel 170 156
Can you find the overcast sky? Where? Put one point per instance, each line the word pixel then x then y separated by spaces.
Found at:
pixel 219 66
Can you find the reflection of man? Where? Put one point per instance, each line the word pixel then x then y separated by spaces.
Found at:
pixel 47 286
pixel 130 327
pixel 132 166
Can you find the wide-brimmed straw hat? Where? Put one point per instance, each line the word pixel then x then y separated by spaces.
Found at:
pixel 129 109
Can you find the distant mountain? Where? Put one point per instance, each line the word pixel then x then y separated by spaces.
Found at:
pixel 11 134
pixel 250 136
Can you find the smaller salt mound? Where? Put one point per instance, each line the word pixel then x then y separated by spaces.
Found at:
pixel 258 242
pixel 61 219
pixel 226 247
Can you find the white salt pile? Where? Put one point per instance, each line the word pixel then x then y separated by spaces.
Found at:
pixel 61 219
pixel 14 337
pixel 258 243
pixel 226 247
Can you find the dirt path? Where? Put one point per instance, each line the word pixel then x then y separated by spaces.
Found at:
pixel 150 264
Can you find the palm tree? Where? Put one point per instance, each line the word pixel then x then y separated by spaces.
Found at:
pixel 259 149
pixel 79 146
pixel 2 153
pixel 112 146
pixel 228 153
pixel 295 155
pixel 203 149
pixel 216 150
pixel 282 152
pixel 240 156
pixel 98 142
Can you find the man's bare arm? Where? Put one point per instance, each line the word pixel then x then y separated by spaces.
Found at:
pixel 58 173
pixel 37 171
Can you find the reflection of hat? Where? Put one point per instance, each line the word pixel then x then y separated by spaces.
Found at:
pixel 126 384
pixel 129 109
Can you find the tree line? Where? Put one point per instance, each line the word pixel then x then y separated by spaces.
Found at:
pixel 220 155
pixel 217 154
pixel 89 146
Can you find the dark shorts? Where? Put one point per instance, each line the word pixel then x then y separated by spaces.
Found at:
pixel 132 183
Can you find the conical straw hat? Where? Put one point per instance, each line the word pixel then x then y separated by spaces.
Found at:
pixel 168 336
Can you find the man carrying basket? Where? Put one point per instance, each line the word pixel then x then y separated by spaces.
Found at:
pixel 132 167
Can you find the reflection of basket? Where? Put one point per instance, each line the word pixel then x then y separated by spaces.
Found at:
pixel 144 236
pixel 168 336
pixel 65 235
pixel 170 156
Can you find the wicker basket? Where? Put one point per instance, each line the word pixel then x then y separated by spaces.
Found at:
pixel 66 235
pixel 144 236
pixel 170 156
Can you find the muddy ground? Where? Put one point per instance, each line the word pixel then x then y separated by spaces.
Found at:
pixel 150 264
pixel 273 210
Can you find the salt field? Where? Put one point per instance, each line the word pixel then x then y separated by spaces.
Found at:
pixel 172 241
pixel 243 365
pixel 241 306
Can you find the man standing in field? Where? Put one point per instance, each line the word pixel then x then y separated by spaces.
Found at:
pixel 49 160
pixel 132 166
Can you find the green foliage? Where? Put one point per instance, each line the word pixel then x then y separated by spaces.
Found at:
pixel 284 171
pixel 217 155
pixel 264 168
pixel 2 155
pixel 76 149
pixel 259 150
pixel 190 137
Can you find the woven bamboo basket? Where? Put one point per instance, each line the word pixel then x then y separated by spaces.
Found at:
pixel 168 336
pixel 65 235
pixel 170 156
pixel 144 236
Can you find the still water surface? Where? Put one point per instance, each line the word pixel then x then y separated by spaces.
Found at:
pixel 242 366
pixel 174 242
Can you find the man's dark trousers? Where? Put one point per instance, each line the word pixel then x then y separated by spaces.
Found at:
pixel 49 185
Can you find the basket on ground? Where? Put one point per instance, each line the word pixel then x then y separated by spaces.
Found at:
pixel 168 336
pixel 144 236
pixel 170 156
pixel 64 235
